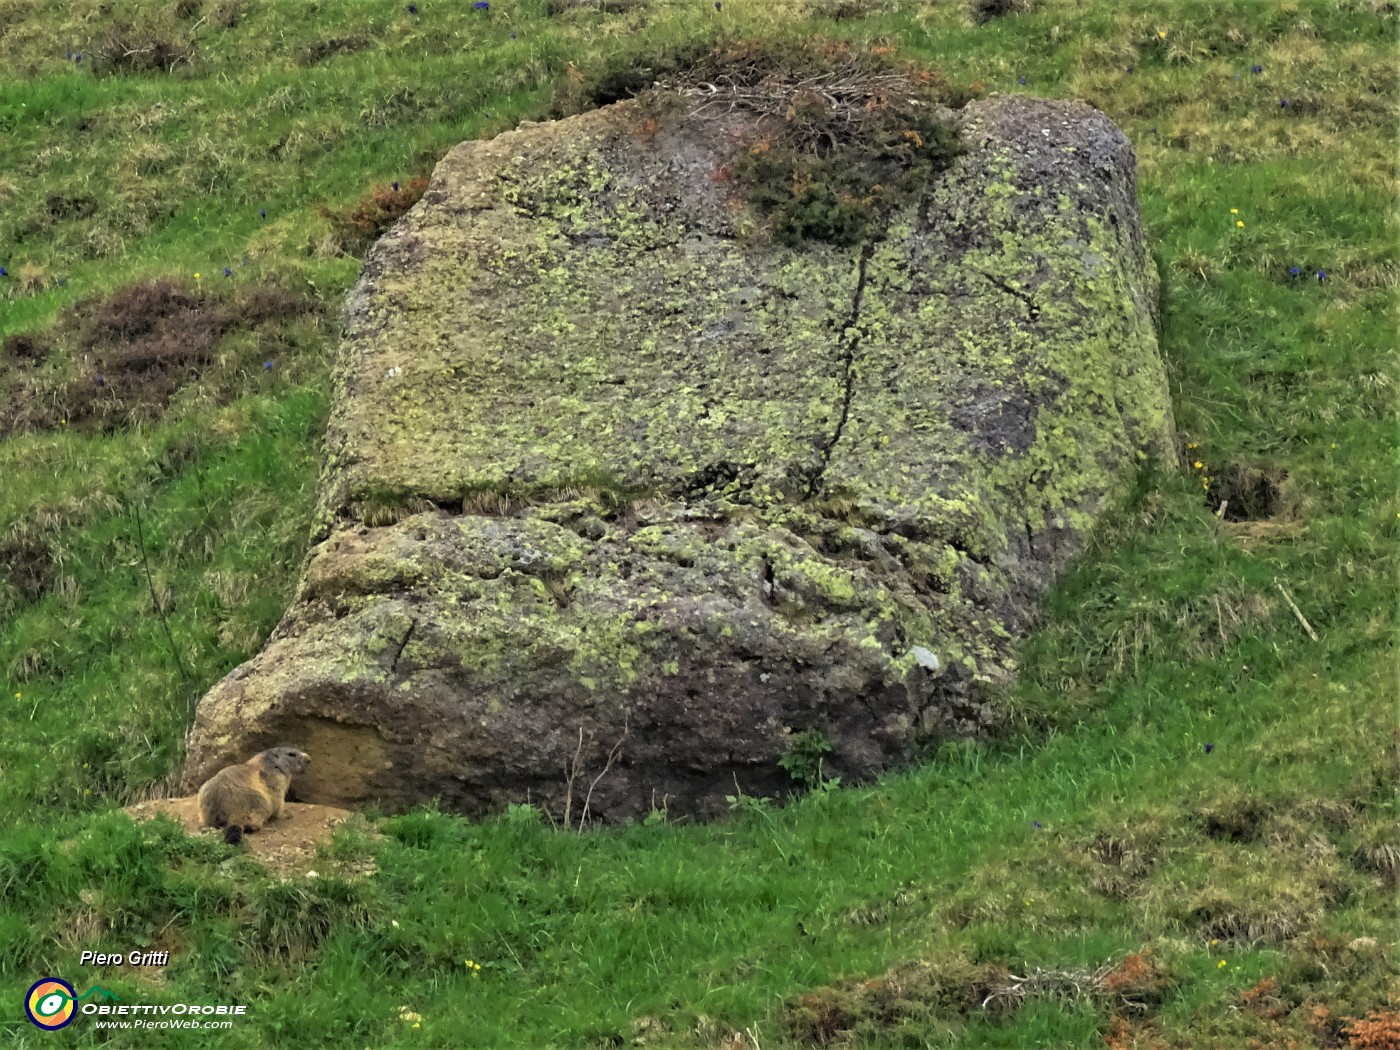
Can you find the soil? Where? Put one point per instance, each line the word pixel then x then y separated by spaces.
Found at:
pixel 286 846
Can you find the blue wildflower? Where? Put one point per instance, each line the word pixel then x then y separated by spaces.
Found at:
pixel 1322 275
pixel 512 34
pixel 1210 748
pixel 1256 69
pixel 267 364
pixel 396 186
pixel 4 272
pixel 1035 823
pixel 1293 271
pixel 262 212
pixel 413 9
pixel 718 6
pixel 482 5
pixel 68 54
pixel 1283 103
pixel 228 272
pixel 100 379
pixel 1020 80
pixel 77 56
pixel 1127 69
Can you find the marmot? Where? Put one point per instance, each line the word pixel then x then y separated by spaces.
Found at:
pixel 246 796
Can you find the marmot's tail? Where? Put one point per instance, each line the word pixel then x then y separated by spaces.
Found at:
pixel 233 834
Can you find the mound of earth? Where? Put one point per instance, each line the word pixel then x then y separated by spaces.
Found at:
pixel 285 846
pixel 628 504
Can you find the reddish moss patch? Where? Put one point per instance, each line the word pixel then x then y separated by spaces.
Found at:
pixel 133 350
pixel 364 222
pixel 1377 1031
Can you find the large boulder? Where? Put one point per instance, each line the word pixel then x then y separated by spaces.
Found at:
pixel 626 501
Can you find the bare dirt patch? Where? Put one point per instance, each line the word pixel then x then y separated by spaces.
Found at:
pixel 26 569
pixel 329 48
pixel 24 348
pixel 984 11
pixel 286 846
pixel 130 49
pixel 1248 493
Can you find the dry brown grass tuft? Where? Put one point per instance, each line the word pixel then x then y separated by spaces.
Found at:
pixel 357 227
pixel 141 49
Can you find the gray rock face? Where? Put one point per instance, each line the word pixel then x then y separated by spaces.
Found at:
pixel 621 496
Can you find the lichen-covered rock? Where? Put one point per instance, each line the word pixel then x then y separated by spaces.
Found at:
pixel 621 495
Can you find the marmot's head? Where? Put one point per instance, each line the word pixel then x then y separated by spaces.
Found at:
pixel 286 760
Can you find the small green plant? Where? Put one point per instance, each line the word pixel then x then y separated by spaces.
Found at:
pixel 660 812
pixel 803 760
pixel 742 803
pixel 522 815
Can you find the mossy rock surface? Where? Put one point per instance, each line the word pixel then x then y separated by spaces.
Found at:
pixel 612 471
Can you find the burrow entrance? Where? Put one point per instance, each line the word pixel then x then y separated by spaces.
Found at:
pixel 1249 493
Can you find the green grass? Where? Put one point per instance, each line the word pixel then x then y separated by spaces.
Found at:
pixel 1173 632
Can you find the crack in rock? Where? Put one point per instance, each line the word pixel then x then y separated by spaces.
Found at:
pixel 848 363
pixel 1032 308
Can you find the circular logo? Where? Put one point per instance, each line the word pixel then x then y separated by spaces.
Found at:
pixel 49 1003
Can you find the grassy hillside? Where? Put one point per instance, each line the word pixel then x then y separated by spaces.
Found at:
pixel 1188 840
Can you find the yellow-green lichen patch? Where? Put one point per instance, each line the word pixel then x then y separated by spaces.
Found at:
pixel 615 480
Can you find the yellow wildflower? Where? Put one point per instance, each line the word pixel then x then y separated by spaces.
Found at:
pixel 1234 211
pixel 1161 34
pixel 1221 964
pixel 1240 224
